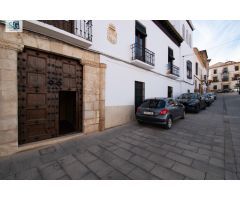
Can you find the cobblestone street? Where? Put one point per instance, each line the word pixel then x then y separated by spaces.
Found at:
pixel 203 146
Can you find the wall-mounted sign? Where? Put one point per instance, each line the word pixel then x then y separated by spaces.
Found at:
pixel 112 34
pixel 13 26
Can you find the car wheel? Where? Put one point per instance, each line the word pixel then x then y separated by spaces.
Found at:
pixel 183 116
pixel 169 123
pixel 140 122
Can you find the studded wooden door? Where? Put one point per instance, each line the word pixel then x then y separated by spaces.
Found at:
pixel 41 76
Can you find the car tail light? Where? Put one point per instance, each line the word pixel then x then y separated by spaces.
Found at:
pixel 164 111
pixel 138 109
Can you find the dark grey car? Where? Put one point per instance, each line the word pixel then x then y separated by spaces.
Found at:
pixel 161 111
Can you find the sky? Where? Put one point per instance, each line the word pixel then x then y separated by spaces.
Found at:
pixel 221 39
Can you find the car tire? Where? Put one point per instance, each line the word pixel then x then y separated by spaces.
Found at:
pixel 169 122
pixel 183 116
pixel 140 122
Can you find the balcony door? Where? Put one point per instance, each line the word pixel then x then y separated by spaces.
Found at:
pixel 170 56
pixel 140 41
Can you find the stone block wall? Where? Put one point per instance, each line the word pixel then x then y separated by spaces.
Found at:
pixel 93 83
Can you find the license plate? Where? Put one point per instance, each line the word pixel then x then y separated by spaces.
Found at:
pixel 148 113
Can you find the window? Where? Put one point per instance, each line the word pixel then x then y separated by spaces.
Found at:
pixel 215 79
pixel 215 87
pixel 225 70
pixel 189 69
pixel 170 92
pixel 196 68
pixel 140 38
pixel 170 56
pixel 183 31
pixel 236 76
pixel 190 40
pixel 171 102
pixel 187 36
pixel 236 68
pixel 215 71
pixel 153 103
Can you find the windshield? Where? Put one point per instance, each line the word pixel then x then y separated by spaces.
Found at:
pixel 188 96
pixel 153 103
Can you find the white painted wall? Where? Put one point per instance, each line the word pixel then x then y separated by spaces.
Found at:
pixel 201 72
pixel 120 79
pixel 121 74
pixel 156 42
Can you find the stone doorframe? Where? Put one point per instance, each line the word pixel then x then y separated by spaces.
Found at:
pixel 93 83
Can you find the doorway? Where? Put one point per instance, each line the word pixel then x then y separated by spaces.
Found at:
pixel 170 92
pixel 43 78
pixel 139 93
pixel 67 112
pixel 225 87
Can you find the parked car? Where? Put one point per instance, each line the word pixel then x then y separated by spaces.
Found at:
pixel 209 99
pixel 213 95
pixel 225 91
pixel 162 111
pixel 192 101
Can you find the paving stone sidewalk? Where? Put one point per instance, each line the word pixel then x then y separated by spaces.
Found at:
pixel 203 146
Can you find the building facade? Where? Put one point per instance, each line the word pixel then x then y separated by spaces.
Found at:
pixel 201 71
pixel 224 76
pixel 50 83
pixel 144 59
pixel 60 77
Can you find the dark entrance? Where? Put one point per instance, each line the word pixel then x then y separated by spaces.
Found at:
pixel 47 83
pixel 225 87
pixel 170 92
pixel 139 94
pixel 67 112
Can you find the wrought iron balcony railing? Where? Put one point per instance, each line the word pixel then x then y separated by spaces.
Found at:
pixel 225 79
pixel 172 69
pixel 225 72
pixel 142 54
pixel 81 28
pixel 235 78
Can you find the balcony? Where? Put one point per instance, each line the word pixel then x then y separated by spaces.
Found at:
pixel 235 78
pixel 173 71
pixel 215 80
pixel 75 32
pixel 225 79
pixel 225 71
pixel 142 57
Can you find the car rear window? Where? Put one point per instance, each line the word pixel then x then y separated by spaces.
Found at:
pixel 188 96
pixel 153 103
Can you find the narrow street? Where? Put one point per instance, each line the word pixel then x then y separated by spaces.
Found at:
pixel 202 146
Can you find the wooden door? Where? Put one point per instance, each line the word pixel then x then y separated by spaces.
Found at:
pixel 40 79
